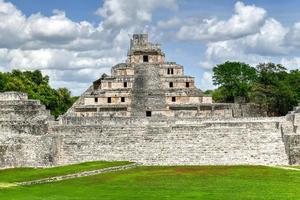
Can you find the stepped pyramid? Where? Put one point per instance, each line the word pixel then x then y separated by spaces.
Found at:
pixel 146 86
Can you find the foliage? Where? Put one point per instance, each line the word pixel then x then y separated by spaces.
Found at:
pixel 270 86
pixel 276 90
pixel 172 182
pixel 235 78
pixel 208 92
pixel 219 95
pixel 37 87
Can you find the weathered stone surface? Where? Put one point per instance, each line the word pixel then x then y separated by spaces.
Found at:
pixel 147 93
pixel 175 142
pixel 291 136
pixel 24 137
pixel 13 96
pixel 146 83
pixel 38 141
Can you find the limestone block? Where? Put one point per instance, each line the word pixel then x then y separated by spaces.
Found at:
pixel 13 96
pixel 297 119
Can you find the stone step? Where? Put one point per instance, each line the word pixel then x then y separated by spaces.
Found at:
pixel 23 129
pixel 18 103
pixel 22 107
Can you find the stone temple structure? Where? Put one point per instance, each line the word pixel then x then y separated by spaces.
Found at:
pixel 147 85
pixel 149 112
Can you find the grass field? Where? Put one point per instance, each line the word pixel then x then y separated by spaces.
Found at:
pixel 197 182
pixel 28 174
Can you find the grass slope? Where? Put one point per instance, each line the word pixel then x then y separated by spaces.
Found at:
pixel 198 182
pixel 28 174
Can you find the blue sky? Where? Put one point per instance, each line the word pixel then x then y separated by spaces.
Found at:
pixel 74 41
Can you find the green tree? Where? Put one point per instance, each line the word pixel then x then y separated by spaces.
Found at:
pixel 219 95
pixel 235 79
pixel 270 86
pixel 276 90
pixel 37 87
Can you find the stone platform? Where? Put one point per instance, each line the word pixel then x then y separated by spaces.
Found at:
pixel 30 138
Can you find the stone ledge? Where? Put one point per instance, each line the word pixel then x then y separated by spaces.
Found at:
pixel 12 96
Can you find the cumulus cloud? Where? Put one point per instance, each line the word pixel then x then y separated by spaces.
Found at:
pixel 71 52
pixel 294 35
pixel 170 23
pixel 291 63
pixel 12 26
pixel 125 13
pixel 263 46
pixel 76 53
pixel 247 36
pixel 269 40
pixel 57 28
pixel 246 20
pixel 206 81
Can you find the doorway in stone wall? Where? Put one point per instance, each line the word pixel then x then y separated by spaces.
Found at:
pixel 148 113
pixel 145 59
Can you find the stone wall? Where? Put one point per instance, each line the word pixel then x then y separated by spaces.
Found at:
pixel 30 137
pixel 26 150
pixel 172 142
pixel 146 91
pixel 24 137
pixel 291 136
pixel 13 96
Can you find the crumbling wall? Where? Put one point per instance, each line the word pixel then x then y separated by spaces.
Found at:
pixel 291 135
pixel 26 150
pixel 23 132
pixel 13 96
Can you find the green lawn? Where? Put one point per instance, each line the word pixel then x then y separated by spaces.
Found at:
pixel 198 182
pixel 27 174
pixel 297 167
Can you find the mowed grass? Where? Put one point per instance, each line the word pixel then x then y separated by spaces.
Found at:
pixel 28 174
pixel 155 183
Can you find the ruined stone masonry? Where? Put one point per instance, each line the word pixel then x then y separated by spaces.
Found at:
pixel 146 85
pixel 146 111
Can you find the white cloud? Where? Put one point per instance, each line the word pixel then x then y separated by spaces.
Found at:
pixel 294 35
pixel 126 13
pixel 76 53
pixel 206 81
pixel 69 51
pixel 170 23
pixel 263 46
pixel 246 20
pixel 57 28
pixel 291 63
pixel 248 36
pixel 12 25
pixel 54 59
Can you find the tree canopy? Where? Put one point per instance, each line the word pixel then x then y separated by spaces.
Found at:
pixel 235 79
pixel 58 101
pixel 269 85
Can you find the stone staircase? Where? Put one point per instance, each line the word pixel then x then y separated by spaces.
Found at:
pixel 23 115
pixel 24 139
